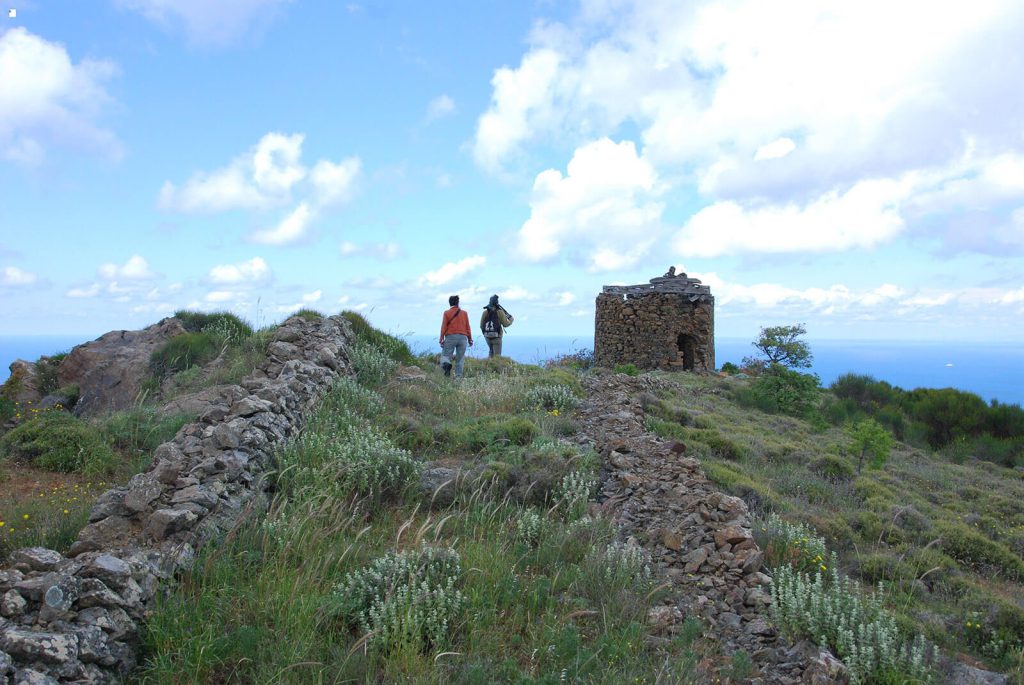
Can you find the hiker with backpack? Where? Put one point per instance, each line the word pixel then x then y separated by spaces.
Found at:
pixel 455 333
pixel 493 322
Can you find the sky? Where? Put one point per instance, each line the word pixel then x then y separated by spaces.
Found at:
pixel 857 167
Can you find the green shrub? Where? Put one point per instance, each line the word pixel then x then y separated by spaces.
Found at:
pixel 371 363
pixel 730 368
pixel 309 314
pixel 781 391
pixel 670 430
pixel 354 457
pixel 832 467
pixel 530 527
pixel 58 441
pixel 392 346
pixel 182 352
pixel 141 429
pixel 628 369
pixel 719 445
pixel 975 550
pixel 553 397
pixel 487 433
pixel 574 493
pixel 8 409
pixel 46 372
pixel 578 360
pixel 796 545
pixel 71 393
pixel 223 325
pixel 404 599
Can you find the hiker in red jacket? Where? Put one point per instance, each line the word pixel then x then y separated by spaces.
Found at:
pixel 455 333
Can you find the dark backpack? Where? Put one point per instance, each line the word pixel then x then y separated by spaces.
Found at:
pixel 492 326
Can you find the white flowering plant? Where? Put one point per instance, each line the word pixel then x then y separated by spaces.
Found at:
pixel 404 598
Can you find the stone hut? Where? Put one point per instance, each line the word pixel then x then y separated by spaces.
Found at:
pixel 668 323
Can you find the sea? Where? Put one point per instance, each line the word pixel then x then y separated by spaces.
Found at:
pixel 991 370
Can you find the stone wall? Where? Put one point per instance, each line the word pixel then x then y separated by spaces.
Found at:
pixel 646 329
pixel 77 618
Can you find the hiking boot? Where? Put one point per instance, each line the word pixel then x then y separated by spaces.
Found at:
pixel 447 368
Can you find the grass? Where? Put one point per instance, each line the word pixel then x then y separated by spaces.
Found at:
pixel 945 539
pixel 48 516
pixel 561 602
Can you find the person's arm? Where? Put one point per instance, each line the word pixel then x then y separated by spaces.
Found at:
pixel 483 320
pixel 444 328
pixel 503 315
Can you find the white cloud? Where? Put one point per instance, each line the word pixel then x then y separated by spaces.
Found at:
pixel 264 178
pixel 441 106
pixel 209 23
pixel 333 183
pixel 47 99
pixel 383 251
pixel 522 100
pixel 565 299
pixel 728 103
pixel 602 206
pixel 775 149
pixel 290 229
pixel 865 216
pixel 253 271
pixel 218 296
pixel 261 178
pixel 135 269
pixel 452 270
pixel 517 293
pixel 14 276
pixel 84 291
pixel 1011 297
pixel 880 303
pixel 310 298
pixel 928 300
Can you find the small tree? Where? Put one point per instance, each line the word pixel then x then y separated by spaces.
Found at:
pixel 781 345
pixel 869 437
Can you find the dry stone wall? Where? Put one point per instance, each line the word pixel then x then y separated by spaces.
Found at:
pixel 700 540
pixel 76 619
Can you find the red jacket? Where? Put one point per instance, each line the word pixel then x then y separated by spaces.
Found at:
pixel 455 321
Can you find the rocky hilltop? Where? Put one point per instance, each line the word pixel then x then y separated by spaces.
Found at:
pixel 108 372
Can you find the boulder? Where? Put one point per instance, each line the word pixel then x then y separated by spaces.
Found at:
pixel 109 371
pixel 22 385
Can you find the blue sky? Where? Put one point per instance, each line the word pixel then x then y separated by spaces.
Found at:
pixel 858 167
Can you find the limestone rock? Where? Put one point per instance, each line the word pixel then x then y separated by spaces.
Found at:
pixel 166 522
pixel 826 669
pixel 110 532
pixel 439 485
pixel 35 559
pixel 12 604
pixel 969 675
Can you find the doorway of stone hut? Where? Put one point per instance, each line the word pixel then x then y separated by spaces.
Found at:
pixel 686 347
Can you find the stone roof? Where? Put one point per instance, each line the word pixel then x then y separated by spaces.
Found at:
pixel 671 282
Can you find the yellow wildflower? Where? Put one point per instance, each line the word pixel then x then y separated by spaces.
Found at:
pixel 25 516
